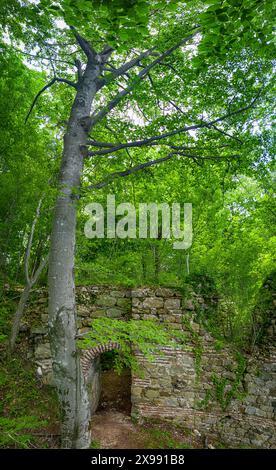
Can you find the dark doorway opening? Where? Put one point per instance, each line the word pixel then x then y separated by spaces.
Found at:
pixel 115 387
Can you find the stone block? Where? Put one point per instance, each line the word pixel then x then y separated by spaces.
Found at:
pixel 165 292
pixel 153 302
pixel 172 304
pixel 44 317
pixel 83 311
pixel 117 293
pixel 138 293
pixel 39 330
pixel 171 402
pixel 106 300
pixel 187 304
pixel 99 312
pixel 42 351
pixel 114 312
pixel 151 394
pixel 136 392
pixel 123 302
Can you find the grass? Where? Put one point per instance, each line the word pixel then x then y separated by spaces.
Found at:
pixel 160 434
pixel 28 410
pixel 164 439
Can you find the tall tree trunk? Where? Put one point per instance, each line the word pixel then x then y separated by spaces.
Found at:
pixel 68 376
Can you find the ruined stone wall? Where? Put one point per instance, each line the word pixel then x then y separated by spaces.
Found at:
pixel 193 384
pixel 196 384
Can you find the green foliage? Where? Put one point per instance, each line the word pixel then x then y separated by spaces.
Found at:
pixel 7 307
pixel 16 432
pixel 263 313
pixel 197 344
pixel 224 390
pixel 146 336
pixel 25 406
pixel 237 24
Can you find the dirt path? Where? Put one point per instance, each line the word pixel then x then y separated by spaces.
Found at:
pixel 112 427
pixel 115 430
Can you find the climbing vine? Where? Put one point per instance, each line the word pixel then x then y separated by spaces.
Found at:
pixel 145 336
pixel 197 345
pixel 224 390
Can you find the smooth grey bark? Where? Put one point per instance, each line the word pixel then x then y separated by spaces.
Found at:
pixel 68 376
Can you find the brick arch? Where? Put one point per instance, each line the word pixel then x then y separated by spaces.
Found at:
pixel 90 354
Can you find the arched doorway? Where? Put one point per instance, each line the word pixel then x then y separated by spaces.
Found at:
pixel 108 389
pixel 115 387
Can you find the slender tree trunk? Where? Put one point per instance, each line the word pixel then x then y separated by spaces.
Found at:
pixel 68 377
pixel 188 263
pixel 30 279
pixel 18 314
pixel 156 255
pixel 144 266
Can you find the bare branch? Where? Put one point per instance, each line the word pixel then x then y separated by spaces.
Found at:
pixel 68 82
pixel 143 73
pixel 169 66
pixel 40 57
pixel 117 147
pixel 177 107
pixel 106 53
pixel 129 171
pixel 226 134
pixel 129 65
pixel 54 80
pixel 94 143
pixel 40 268
pixel 109 147
pixel 117 174
pixel 156 138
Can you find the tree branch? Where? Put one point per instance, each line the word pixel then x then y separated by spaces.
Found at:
pixel 79 69
pixel 128 65
pixel 84 44
pixel 110 178
pixel 40 268
pixel 39 57
pixel 54 80
pixel 129 171
pixel 226 134
pixel 117 147
pixel 157 138
pixel 143 73
pixel 30 241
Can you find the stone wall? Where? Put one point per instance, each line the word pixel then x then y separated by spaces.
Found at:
pixel 191 385
pixel 93 302
pixel 196 384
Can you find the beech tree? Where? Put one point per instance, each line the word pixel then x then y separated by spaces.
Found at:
pixel 121 51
